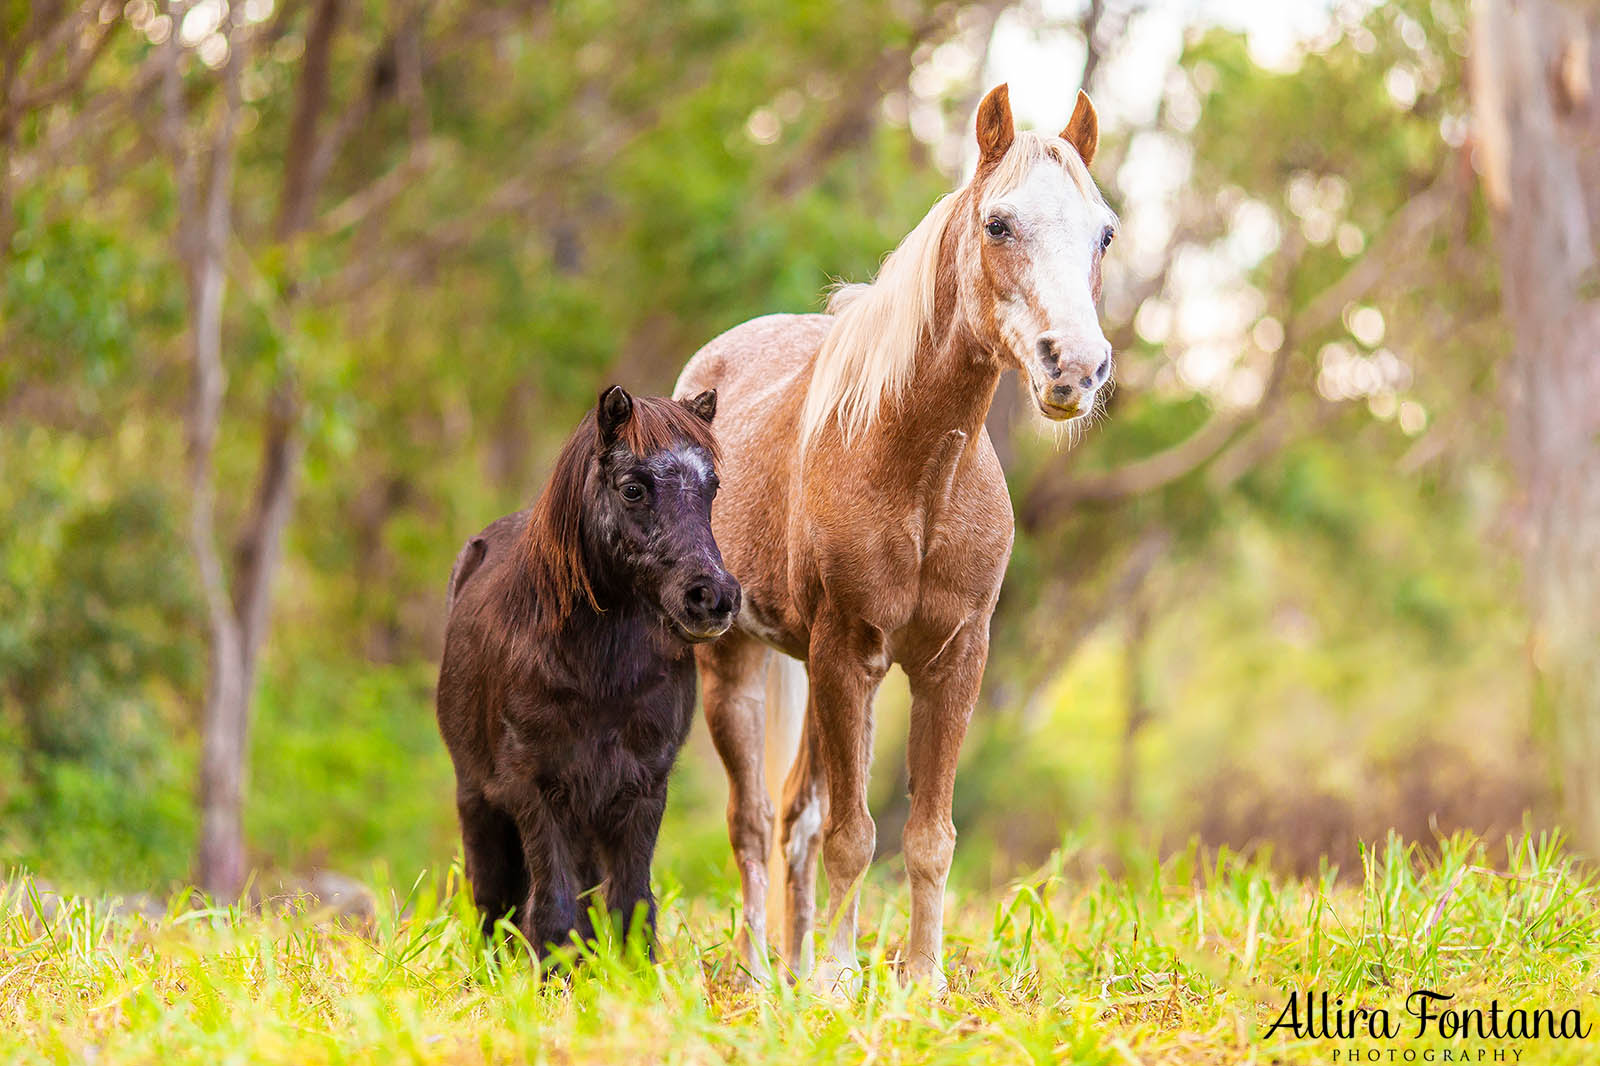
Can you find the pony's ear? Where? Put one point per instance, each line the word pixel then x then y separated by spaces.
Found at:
pixel 995 129
pixel 703 405
pixel 612 412
pixel 1083 128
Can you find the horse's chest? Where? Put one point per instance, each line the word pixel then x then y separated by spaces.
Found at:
pixel 952 557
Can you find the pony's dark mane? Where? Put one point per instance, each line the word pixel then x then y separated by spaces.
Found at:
pixel 551 547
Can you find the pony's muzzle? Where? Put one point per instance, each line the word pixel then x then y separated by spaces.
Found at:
pixel 710 604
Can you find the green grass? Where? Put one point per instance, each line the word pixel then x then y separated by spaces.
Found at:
pixel 1182 961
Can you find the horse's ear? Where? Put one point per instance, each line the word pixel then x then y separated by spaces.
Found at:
pixel 612 412
pixel 995 129
pixel 703 405
pixel 1083 128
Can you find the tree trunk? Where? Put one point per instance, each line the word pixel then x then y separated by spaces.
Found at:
pixel 1538 137
pixel 205 220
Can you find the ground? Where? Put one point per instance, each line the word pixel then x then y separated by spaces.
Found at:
pixel 1187 961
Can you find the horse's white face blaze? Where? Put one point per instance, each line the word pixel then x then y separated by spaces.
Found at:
pixel 1042 243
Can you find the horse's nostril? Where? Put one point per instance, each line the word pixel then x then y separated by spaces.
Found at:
pixel 1087 383
pixel 1103 370
pixel 703 596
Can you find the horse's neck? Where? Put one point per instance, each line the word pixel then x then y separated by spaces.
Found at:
pixel 952 388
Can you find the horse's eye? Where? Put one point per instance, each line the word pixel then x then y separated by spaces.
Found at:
pixel 997 228
pixel 1105 238
pixel 633 492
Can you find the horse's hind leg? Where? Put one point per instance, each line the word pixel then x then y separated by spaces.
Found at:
pixel 493 851
pixel 733 687
pixel 805 809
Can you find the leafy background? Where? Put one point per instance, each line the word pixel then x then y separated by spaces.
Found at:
pixel 1300 627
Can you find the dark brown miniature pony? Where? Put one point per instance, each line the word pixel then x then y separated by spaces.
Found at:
pixel 568 680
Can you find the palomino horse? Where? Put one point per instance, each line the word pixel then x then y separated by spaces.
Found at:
pixel 865 514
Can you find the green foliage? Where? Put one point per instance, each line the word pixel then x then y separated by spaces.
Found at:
pixel 98 659
pixel 353 763
pixel 596 204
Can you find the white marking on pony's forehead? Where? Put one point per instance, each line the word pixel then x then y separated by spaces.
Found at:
pixel 683 460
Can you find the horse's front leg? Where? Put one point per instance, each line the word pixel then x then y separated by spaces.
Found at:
pixel 943 692
pixel 847 660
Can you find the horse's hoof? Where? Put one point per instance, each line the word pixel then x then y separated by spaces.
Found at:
pixel 837 981
pixel 751 970
pixel 927 976
pixel 747 978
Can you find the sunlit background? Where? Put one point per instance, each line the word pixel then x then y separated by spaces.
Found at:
pixel 1271 600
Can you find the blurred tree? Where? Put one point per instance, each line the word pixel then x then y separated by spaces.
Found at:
pixel 1538 127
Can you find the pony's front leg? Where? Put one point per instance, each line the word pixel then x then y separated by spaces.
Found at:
pixel 943 692
pixel 630 843
pixel 551 913
pixel 847 660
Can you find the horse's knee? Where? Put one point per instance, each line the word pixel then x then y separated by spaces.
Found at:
pixel 750 826
pixel 848 846
pixel 732 692
pixel 929 845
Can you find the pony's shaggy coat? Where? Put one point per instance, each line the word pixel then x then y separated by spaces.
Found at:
pixel 567 684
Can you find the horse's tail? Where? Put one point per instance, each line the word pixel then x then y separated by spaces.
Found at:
pixel 787 692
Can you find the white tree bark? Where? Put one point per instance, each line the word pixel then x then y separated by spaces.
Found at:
pixel 1538 138
pixel 204 225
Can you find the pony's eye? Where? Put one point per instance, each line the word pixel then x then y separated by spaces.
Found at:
pixel 633 492
pixel 996 228
pixel 1105 238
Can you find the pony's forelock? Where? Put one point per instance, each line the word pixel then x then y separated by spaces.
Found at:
pixel 658 423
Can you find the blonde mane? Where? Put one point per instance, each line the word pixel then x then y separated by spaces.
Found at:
pixel 870 350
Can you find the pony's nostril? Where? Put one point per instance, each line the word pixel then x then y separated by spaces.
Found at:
pixel 1103 370
pixel 702 596
pixel 1087 383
